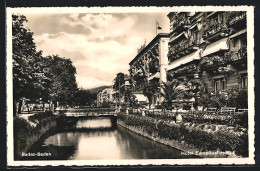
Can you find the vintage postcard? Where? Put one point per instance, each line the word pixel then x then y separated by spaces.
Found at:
pixel 92 86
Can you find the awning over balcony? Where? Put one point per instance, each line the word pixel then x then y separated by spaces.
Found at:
pixel 221 44
pixel 178 36
pixel 155 75
pixel 238 33
pixel 192 27
pixel 183 60
pixel 181 87
pixel 140 97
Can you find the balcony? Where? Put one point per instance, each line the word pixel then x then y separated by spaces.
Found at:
pixel 211 62
pixel 181 23
pixel 154 66
pixel 185 70
pixel 215 31
pixel 188 46
pixel 139 76
pixel 232 56
pixel 235 17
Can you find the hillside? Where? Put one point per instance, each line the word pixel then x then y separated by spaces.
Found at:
pixel 95 90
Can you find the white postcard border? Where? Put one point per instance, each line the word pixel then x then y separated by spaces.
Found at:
pixel 210 161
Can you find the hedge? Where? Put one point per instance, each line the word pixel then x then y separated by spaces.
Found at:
pixel 199 139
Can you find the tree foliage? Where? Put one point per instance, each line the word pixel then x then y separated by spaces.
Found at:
pixel 170 92
pixel 25 55
pixel 35 76
pixel 119 80
pixel 150 88
pixel 196 89
pixel 63 84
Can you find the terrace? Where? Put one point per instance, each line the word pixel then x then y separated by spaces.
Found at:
pixel 185 70
pixel 187 47
pixel 236 17
pixel 232 56
pixel 154 66
pixel 181 23
pixel 215 31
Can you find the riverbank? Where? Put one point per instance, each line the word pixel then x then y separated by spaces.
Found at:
pixel 190 140
pixel 28 130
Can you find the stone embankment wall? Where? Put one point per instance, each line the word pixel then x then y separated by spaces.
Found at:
pixel 190 140
pixel 28 130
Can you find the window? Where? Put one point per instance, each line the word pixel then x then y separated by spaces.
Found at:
pixel 243 42
pixel 216 19
pixel 195 35
pixel 220 84
pixel 244 82
pixel 222 18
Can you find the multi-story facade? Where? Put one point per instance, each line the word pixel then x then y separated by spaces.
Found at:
pixel 105 95
pixel 211 46
pixel 149 65
pixel 184 45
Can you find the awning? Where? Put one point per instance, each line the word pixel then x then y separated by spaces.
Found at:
pixel 155 75
pixel 183 60
pixel 175 38
pixel 215 47
pixel 238 33
pixel 193 26
pixel 140 97
pixel 181 87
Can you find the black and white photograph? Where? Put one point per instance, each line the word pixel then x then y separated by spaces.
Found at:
pixel 130 86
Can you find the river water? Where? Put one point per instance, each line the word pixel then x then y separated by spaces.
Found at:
pixel 100 141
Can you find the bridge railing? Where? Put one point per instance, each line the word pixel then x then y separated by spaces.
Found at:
pixel 88 112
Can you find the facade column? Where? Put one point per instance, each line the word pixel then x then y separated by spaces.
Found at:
pixel 163 61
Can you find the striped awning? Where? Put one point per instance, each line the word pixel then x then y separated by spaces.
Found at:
pixel 221 44
pixel 183 60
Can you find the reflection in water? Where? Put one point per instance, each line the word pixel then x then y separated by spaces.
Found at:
pixel 106 144
pixel 94 123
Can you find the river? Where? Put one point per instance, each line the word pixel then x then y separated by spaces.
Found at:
pixel 96 139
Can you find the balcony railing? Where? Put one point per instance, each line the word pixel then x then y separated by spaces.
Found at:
pixel 189 69
pixel 236 55
pixel 214 29
pixel 211 62
pixel 180 23
pixel 154 66
pixel 174 51
pixel 235 17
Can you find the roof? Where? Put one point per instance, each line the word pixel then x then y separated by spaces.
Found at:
pixel 160 35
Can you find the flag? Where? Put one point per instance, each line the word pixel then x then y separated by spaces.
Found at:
pixel 158 26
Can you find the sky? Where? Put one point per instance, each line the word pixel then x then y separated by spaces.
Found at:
pixel 100 45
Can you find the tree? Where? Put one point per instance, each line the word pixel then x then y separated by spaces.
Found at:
pixel 170 92
pixel 118 82
pixel 150 88
pixel 195 88
pixel 25 83
pixel 63 84
pixel 129 97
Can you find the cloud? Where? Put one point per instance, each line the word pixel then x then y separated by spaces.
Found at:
pixel 94 59
pixel 99 45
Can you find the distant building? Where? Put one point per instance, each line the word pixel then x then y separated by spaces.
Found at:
pixel 105 96
pixel 149 64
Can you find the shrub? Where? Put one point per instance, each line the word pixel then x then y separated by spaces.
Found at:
pixel 243 119
pixel 221 140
